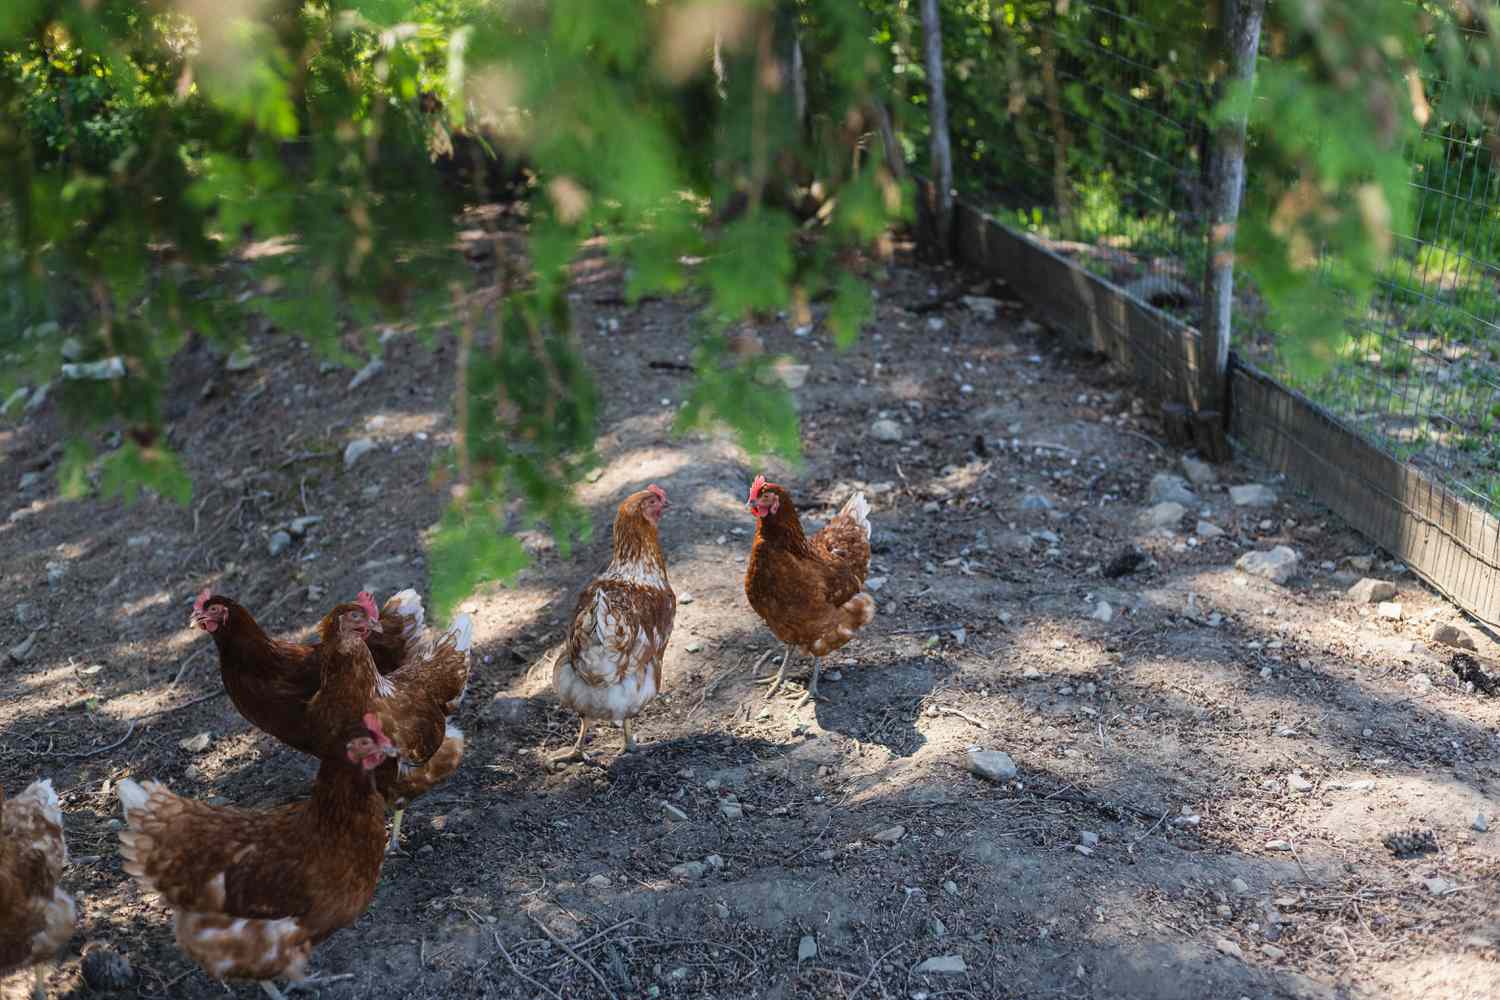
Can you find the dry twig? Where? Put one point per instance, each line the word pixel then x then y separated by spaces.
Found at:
pixel 598 976
pixel 517 969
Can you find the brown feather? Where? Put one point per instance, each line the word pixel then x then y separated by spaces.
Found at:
pixel 810 591
pixel 270 682
pixel 621 624
pixel 36 916
pixel 254 891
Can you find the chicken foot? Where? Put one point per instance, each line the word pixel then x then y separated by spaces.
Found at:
pixel 576 752
pixel 39 985
pixel 779 678
pixel 297 986
pixel 394 847
pixel 811 694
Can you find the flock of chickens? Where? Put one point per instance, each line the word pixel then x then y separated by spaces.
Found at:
pixel 253 891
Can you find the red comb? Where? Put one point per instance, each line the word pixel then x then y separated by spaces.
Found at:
pixel 372 723
pixel 757 486
pixel 198 604
pixel 661 493
pixel 367 602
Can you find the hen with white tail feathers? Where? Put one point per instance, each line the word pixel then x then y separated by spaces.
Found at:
pixel 809 590
pixel 253 891
pixel 36 915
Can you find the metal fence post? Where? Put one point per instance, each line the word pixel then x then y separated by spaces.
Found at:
pixel 1239 34
pixel 937 117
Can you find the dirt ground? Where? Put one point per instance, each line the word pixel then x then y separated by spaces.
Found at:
pixel 1204 779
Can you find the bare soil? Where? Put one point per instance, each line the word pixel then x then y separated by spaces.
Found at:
pixel 1175 732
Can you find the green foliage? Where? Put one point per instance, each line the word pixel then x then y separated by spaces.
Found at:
pixel 132 468
pixel 767 415
pixel 466 549
pixel 183 168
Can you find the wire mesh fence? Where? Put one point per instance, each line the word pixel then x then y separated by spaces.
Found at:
pixel 1104 124
pixel 1085 183
pixel 1417 373
pixel 1096 144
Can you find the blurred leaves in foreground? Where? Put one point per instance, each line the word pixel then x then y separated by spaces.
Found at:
pixel 197 169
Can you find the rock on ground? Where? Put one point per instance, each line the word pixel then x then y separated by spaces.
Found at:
pixel 1164 515
pixel 1451 635
pixel 1371 591
pixel 992 765
pixel 1277 565
pixel 1199 473
pixel 366 373
pixel 943 965
pixel 357 449
pixel 886 430
pixel 1252 495
pixel 1167 487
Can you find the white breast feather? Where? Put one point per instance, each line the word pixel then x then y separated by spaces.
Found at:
pixel 599 659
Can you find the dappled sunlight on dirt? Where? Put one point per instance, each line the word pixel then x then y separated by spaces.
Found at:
pixel 1205 762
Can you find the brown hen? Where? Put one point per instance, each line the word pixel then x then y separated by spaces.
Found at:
pixel 415 701
pixel 609 667
pixel 810 591
pixel 36 916
pixel 253 891
pixel 270 682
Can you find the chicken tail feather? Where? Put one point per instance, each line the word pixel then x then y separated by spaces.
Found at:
pixel 45 797
pixel 133 799
pixel 857 509
pixel 853 615
pixel 408 605
pixel 463 633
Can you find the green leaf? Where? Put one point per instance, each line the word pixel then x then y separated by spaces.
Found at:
pixel 751 266
pixel 131 468
pixel 73 472
pixel 470 547
pixel 747 397
pixel 851 308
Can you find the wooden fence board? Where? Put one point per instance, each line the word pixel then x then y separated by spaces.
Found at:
pixel 1450 543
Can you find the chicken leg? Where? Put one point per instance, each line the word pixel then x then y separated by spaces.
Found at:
pixel 39 986
pixel 811 694
pixel 779 677
pixel 303 985
pixel 576 752
pixel 629 736
pixel 394 847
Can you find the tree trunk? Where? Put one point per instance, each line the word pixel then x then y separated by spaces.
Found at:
pixel 937 108
pixel 1239 32
pixel 895 159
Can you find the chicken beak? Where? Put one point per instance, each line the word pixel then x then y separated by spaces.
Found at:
pixel 374 624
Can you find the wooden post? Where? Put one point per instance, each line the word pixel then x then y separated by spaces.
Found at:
pixel 1239 33
pixel 937 112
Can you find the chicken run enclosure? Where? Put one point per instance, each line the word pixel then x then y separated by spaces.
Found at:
pixel 1087 181
pixel 1084 701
